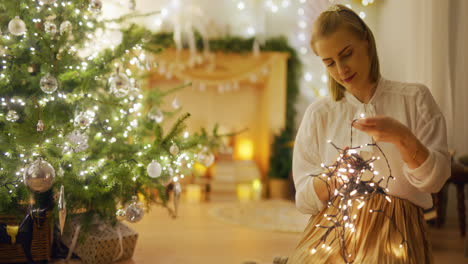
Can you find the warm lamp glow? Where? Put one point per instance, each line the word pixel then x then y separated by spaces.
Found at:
pixel 244 149
pixel 256 184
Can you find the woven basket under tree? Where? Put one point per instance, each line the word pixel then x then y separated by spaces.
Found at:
pixel 42 230
pixel 41 246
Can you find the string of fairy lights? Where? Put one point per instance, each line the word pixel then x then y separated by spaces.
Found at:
pixel 88 116
pixel 348 191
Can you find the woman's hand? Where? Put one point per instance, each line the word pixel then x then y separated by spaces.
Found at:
pixel 384 129
pixel 387 129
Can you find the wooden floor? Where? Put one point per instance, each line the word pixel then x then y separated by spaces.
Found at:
pixel 197 238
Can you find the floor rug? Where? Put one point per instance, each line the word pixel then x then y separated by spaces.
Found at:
pixel 274 215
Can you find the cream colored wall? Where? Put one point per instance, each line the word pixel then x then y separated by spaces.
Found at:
pixel 233 111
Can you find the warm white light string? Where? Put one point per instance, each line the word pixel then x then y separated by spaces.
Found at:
pixel 347 172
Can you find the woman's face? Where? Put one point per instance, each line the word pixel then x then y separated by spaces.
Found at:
pixel 346 58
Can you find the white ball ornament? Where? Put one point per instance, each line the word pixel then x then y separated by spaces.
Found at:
pixel 16 26
pixel 154 169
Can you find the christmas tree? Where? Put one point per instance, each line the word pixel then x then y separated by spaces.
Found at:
pixel 74 122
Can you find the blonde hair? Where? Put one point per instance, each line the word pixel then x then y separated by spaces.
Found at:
pixel 328 23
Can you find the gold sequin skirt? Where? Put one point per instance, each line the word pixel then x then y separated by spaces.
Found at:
pixel 377 239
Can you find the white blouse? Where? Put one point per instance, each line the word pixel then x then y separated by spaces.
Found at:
pixel 411 104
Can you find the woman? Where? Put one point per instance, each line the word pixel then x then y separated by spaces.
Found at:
pixel 402 118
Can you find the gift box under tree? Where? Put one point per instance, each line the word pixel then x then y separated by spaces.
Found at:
pixel 102 243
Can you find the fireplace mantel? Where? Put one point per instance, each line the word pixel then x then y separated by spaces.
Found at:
pixel 232 89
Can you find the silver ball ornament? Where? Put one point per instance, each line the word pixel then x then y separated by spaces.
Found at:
pixel 154 169
pixel 39 176
pixel 84 119
pixel 12 116
pixel 206 158
pixel 119 84
pixel 16 26
pixel 50 28
pixel 134 211
pixel 48 84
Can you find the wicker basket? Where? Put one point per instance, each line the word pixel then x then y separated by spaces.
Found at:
pixel 41 246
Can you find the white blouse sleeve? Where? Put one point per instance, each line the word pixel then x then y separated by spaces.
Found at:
pixel 431 131
pixel 306 160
